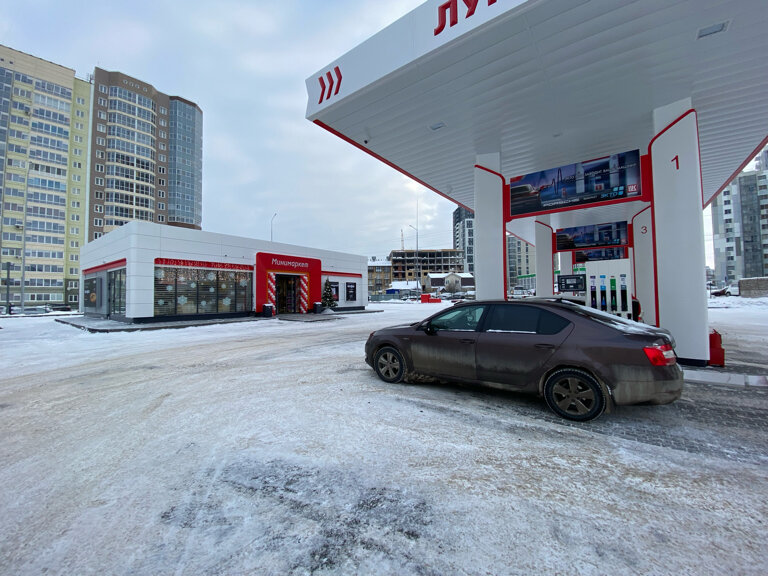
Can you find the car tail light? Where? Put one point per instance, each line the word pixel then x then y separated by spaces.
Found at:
pixel 663 355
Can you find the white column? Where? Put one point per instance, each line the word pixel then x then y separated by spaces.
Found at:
pixel 490 267
pixel 643 264
pixel 545 274
pixel 679 231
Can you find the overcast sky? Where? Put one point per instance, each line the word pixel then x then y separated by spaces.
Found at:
pixel 245 63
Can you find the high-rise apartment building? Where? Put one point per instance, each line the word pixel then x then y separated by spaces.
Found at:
pixel 740 228
pixel 79 158
pixel 44 121
pixel 521 263
pixel 464 236
pixel 185 164
pixel 146 156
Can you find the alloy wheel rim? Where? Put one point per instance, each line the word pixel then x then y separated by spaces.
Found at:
pixel 574 396
pixel 389 365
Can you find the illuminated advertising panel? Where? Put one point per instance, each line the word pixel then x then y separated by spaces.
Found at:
pixel 593 236
pixel 605 179
pixel 599 254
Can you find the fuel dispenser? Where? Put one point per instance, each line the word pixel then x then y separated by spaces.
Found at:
pixel 607 286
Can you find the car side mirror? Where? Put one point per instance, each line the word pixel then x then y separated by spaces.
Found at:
pixel 429 329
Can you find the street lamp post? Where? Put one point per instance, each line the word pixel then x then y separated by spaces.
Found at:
pixel 270 225
pixel 8 266
pixel 418 257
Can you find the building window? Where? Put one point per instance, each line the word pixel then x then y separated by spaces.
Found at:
pixel 98 208
pixel 98 222
pixel 185 291
pixel 351 292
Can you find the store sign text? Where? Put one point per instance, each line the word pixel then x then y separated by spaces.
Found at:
pixel 289 263
pixel 448 12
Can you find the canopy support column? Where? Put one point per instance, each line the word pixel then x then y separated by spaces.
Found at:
pixel 490 235
pixel 679 231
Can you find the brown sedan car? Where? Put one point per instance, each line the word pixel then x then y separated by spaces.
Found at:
pixel 579 359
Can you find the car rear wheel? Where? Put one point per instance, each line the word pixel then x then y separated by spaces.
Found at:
pixel 574 394
pixel 389 365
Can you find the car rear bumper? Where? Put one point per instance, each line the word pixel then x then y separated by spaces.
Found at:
pixel 652 391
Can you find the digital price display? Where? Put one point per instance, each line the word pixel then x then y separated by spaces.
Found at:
pixel 575 283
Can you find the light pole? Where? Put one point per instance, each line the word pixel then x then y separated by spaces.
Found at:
pixel 7 266
pixel 418 258
pixel 24 238
pixel 270 225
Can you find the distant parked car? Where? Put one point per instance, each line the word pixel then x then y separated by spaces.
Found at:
pixel 579 359
pixel 520 292
pixel 730 290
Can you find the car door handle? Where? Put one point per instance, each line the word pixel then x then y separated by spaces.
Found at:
pixel 545 346
pixel 466 341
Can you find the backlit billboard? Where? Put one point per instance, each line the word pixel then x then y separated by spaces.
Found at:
pixel 613 177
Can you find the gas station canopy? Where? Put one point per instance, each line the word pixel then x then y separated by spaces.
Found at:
pixel 549 82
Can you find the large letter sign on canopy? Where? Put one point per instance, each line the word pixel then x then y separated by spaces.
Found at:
pixel 606 179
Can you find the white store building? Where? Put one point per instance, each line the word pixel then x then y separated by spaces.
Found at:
pixel 145 272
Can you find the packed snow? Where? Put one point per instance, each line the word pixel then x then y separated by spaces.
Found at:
pixel 270 447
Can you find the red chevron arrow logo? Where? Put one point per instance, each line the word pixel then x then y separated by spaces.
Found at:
pixel 329 86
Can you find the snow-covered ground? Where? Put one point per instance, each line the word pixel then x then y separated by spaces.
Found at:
pixel 270 447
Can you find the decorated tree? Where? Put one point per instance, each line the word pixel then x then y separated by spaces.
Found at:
pixel 328 299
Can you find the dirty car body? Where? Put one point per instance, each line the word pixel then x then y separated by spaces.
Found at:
pixel 580 360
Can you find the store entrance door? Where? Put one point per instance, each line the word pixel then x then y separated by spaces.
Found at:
pixel 288 293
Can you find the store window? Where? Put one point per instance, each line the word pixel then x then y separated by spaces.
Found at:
pixel 116 292
pixel 351 292
pixel 187 291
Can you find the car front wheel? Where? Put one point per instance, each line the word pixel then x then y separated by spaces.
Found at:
pixel 389 365
pixel 574 394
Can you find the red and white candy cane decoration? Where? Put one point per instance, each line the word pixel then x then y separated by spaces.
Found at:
pixel 271 291
pixel 304 295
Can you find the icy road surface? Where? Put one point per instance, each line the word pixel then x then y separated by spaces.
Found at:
pixel 270 447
